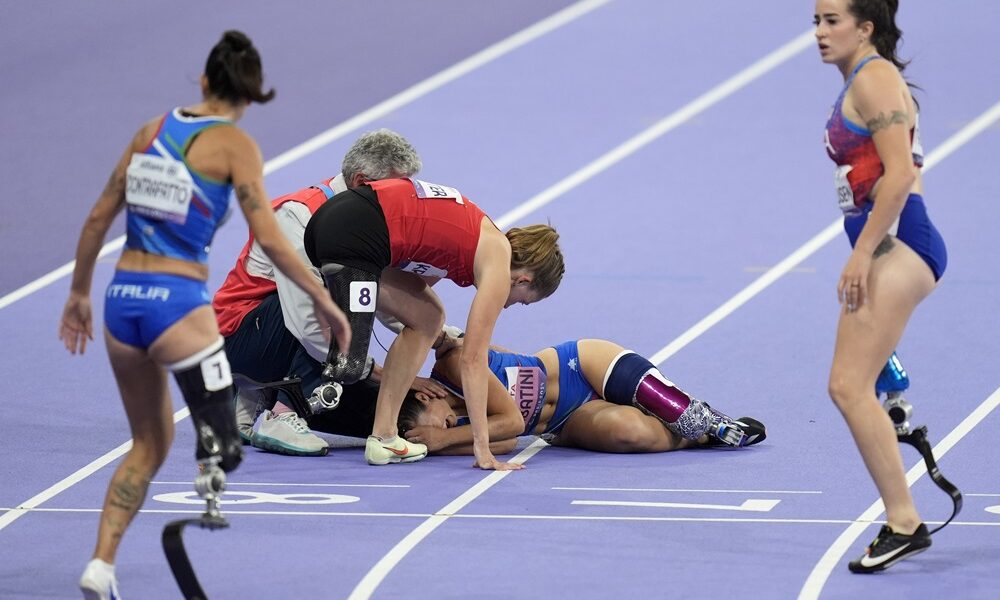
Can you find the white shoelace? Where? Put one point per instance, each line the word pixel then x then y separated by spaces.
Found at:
pixel 294 421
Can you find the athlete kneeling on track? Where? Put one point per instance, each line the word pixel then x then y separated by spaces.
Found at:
pixel 590 394
pixel 270 328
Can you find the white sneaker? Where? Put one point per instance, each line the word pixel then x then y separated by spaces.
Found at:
pixel 98 581
pixel 286 433
pixel 248 405
pixel 378 452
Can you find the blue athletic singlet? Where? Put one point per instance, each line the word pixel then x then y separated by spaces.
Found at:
pixel 574 389
pixel 173 210
pixel 525 378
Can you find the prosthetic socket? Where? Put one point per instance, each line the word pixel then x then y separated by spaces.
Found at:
pixel 355 291
pixel 892 382
pixel 212 412
pixel 634 380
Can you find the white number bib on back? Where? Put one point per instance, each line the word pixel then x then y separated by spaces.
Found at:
pixel 436 191
pixel 845 195
pixel 158 187
pixel 425 269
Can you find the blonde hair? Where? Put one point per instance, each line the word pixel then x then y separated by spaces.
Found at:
pixel 535 249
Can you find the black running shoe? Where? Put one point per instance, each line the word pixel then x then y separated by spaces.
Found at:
pixel 889 548
pixel 745 431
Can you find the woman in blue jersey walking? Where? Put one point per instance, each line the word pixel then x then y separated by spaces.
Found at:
pixel 175 180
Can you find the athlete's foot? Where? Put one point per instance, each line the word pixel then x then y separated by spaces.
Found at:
pixel 383 452
pixel 890 547
pixel 745 431
pixel 98 581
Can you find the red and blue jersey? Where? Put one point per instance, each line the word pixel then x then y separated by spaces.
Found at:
pixel 850 146
pixel 173 210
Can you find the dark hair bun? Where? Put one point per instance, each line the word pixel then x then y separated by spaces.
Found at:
pixel 236 40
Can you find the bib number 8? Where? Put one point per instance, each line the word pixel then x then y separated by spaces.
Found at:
pixel 364 295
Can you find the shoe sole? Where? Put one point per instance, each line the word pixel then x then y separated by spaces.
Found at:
pixel 396 459
pixel 277 446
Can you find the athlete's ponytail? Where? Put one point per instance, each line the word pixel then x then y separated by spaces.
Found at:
pixel 886 35
pixel 536 249
pixel 234 72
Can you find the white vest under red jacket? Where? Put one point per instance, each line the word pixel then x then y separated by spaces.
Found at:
pixel 242 292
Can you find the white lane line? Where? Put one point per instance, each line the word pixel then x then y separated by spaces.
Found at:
pixel 943 151
pixel 304 513
pixel 415 92
pixel 278 484
pixel 409 95
pixel 681 490
pixel 728 87
pixel 660 128
pixel 750 505
pixel 374 577
pixel 67 269
pixel 443 78
pixel 47 494
pixel 821 572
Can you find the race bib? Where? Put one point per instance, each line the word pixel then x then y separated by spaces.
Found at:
pixel 526 386
pixel 845 195
pixel 215 372
pixel 419 268
pixel 158 187
pixel 436 191
pixel 917 148
pixel 363 296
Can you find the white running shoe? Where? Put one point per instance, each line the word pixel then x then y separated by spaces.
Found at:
pixel 98 581
pixel 378 452
pixel 286 433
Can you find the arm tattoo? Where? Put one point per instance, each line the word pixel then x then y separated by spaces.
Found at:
pixel 247 197
pixel 881 121
pixel 115 187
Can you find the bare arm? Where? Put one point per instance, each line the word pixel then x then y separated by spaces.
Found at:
pixel 504 420
pixel 880 98
pixel 499 447
pixel 492 272
pixel 76 325
pixel 247 176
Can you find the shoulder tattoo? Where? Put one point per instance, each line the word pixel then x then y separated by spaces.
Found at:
pixel 882 121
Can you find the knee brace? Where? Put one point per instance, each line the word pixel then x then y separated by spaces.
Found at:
pixel 632 379
pixel 355 291
pixel 207 386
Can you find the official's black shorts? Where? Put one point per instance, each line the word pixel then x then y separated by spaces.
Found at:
pixel 350 230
